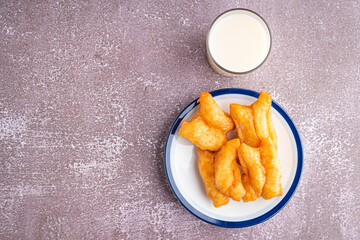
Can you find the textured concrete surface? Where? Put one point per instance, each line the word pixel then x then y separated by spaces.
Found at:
pixel 89 90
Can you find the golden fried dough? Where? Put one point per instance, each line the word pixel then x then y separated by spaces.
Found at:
pixel 253 177
pixel 202 135
pixel 262 118
pixel 208 128
pixel 227 172
pixel 206 168
pixel 254 122
pixel 255 150
pixel 255 128
pixel 271 127
pixel 212 114
pixel 244 122
pixel 271 162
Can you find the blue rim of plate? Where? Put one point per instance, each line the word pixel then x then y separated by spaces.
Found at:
pixel 234 224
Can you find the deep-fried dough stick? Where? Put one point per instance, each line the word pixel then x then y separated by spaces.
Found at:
pixel 202 135
pixel 227 172
pixel 271 127
pixel 253 177
pixel 206 168
pixel 212 114
pixel 271 162
pixel 255 122
pixel 256 129
pixel 262 118
pixel 208 128
pixel 244 122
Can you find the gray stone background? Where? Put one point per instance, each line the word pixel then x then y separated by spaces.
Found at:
pixel 89 90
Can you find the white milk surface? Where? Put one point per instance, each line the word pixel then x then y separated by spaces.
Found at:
pixel 239 41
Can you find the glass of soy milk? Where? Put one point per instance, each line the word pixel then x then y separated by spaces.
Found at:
pixel 238 42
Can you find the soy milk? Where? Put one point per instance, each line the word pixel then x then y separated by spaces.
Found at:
pixel 238 41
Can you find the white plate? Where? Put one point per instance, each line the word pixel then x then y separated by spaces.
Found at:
pixel 185 180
